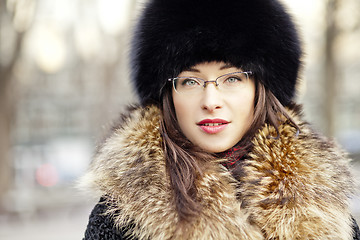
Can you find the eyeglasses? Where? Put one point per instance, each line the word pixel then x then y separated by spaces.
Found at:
pixel 230 82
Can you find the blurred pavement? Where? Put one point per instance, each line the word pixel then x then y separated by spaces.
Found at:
pixel 57 221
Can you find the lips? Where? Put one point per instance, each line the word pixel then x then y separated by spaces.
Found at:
pixel 213 126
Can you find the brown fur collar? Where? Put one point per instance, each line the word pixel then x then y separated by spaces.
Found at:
pixel 293 187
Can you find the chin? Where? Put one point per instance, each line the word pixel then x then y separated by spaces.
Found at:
pixel 215 149
pixel 213 144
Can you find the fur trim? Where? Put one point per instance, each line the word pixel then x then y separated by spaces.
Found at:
pixel 130 169
pixel 294 187
pixel 254 35
pixel 297 187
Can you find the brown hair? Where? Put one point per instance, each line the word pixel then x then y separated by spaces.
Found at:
pixel 185 161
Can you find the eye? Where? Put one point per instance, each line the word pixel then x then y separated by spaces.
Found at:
pixel 233 79
pixel 189 82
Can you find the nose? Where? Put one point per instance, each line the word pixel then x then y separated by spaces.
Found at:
pixel 211 99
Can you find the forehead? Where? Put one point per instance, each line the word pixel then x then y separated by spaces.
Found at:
pixel 210 67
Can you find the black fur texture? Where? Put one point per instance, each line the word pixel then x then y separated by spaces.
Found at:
pixel 254 35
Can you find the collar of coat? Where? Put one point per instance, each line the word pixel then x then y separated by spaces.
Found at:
pixel 293 187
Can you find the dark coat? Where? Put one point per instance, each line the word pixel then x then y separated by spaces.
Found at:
pixel 293 187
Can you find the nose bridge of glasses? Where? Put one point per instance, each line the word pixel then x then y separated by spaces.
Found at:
pixel 211 81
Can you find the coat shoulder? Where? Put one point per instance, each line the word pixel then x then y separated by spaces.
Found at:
pixel 135 137
pixel 356 230
pixel 101 226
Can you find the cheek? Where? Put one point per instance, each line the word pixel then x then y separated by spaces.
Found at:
pixel 182 109
pixel 177 105
pixel 244 111
pixel 250 112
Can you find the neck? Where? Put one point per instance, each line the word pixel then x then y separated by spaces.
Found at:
pixel 233 156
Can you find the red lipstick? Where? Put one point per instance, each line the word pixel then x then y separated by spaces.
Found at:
pixel 213 126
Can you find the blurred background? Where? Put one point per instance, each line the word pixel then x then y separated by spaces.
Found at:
pixel 64 79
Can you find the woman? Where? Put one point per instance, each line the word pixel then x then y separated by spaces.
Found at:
pixel 218 149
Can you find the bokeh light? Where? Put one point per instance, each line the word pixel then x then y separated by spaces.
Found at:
pixel 47 175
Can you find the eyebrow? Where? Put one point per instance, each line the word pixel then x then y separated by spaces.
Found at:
pixel 190 69
pixel 226 66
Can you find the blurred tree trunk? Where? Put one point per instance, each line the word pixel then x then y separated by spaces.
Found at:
pixel 330 68
pixel 5 122
pixel 7 105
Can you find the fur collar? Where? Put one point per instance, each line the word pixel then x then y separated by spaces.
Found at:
pixel 293 187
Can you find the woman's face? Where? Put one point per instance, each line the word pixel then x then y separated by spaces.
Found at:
pixel 215 118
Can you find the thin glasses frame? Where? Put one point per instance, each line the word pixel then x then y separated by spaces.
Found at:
pixel 204 82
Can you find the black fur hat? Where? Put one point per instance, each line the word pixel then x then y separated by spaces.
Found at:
pixel 254 35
